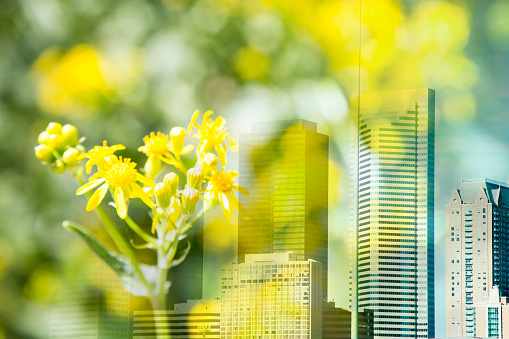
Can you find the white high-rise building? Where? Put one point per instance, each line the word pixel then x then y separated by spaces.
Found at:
pixel 272 296
pixel 477 250
pixel 392 211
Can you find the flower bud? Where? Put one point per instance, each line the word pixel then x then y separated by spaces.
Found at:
pixel 56 141
pixel 58 166
pixel 71 157
pixel 177 137
pixel 44 153
pixel 54 128
pixel 209 162
pixel 194 178
pixel 70 135
pixel 163 195
pixel 190 197
pixel 172 181
pixel 43 138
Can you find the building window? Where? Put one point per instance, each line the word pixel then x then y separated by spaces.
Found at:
pixel 493 322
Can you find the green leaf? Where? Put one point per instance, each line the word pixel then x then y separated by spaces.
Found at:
pixel 118 263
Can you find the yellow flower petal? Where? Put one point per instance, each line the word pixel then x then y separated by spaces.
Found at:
pixel 241 189
pixel 120 203
pixel 175 208
pixel 155 221
pixel 144 180
pixel 97 197
pixel 140 193
pixel 206 116
pixel 219 123
pixel 193 121
pixel 186 149
pixel 221 154
pixel 242 211
pixel 169 159
pixel 233 144
pixel 225 203
pixel 90 185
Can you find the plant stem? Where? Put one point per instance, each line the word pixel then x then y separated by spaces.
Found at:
pixel 134 226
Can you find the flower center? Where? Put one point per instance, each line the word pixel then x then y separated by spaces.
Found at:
pixel 223 182
pixel 157 144
pixel 212 133
pixel 121 174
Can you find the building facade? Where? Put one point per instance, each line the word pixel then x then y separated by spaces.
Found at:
pixel 272 296
pixel 477 249
pixel 191 320
pixel 392 211
pixel 285 169
pixel 491 318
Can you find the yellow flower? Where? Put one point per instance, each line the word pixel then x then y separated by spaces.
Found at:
pixel 177 137
pixel 72 81
pixel 121 176
pixel 157 149
pixel 100 155
pixel 221 186
pixel 212 134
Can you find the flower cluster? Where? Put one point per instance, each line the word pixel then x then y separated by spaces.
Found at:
pixel 165 184
pixel 59 147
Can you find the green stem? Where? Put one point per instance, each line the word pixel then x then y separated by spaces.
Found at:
pixel 192 222
pixel 161 295
pixel 144 235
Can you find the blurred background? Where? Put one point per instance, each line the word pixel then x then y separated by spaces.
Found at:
pixel 120 69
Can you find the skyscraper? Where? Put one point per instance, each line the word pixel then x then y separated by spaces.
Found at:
pixel 392 211
pixel 285 170
pixel 477 250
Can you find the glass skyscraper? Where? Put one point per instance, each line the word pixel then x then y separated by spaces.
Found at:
pixel 392 211
pixel 285 169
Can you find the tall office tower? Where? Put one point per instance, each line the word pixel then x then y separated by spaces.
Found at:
pixel 187 278
pixel 477 249
pixel 286 172
pixel 392 211
pixel 272 296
